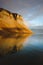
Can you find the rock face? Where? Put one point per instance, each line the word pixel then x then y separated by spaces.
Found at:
pixel 12 22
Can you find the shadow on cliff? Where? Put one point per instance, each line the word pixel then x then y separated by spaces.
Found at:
pixel 12 32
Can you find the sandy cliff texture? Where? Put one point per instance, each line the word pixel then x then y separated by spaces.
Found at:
pixel 12 22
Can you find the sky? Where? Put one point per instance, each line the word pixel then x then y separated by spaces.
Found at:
pixel 31 10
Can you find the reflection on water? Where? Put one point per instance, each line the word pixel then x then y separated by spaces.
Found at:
pixel 30 49
pixel 12 43
pixel 35 42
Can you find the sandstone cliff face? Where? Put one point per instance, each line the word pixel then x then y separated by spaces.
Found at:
pixel 12 22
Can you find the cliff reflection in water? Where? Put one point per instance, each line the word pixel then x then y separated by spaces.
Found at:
pixel 12 43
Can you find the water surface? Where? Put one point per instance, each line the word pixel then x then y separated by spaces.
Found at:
pixel 30 53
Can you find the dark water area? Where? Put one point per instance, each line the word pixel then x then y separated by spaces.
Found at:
pixel 31 52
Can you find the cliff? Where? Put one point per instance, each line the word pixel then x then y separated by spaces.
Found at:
pixel 12 22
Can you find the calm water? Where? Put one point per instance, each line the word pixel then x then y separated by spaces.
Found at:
pixel 30 53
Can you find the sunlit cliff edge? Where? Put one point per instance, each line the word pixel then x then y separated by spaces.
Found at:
pixel 12 22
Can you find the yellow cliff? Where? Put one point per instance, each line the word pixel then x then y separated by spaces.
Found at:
pixel 12 22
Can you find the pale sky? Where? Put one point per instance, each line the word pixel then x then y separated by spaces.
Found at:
pixel 31 10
